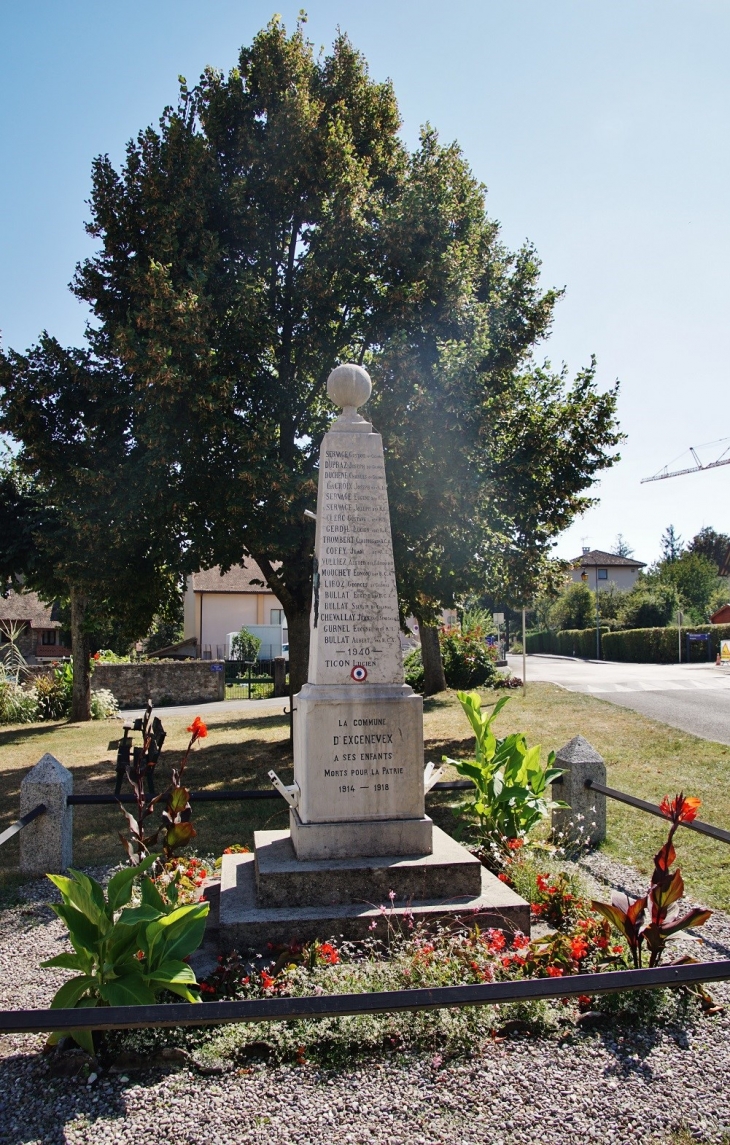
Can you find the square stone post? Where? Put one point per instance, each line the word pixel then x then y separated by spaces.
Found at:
pixel 280 688
pixel 46 844
pixel 580 762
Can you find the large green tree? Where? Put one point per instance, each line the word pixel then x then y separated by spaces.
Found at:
pixel 71 527
pixel 273 225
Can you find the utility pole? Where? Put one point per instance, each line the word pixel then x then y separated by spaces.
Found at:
pixel 679 633
pixel 598 622
pixel 524 656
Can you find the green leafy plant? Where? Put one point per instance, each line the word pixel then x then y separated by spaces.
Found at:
pixel 510 781
pixel 54 703
pixel 123 955
pixel 654 918
pixel 245 646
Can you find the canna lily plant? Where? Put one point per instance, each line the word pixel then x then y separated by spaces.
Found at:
pixel 123 955
pixel 650 921
pixel 511 783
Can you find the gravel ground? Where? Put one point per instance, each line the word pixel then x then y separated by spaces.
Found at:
pixel 633 1087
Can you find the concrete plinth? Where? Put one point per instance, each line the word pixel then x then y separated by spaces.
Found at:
pixel 360 837
pixel 245 921
pixel 284 880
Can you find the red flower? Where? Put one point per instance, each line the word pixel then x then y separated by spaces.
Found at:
pixel 682 809
pixel 503 878
pixel 553 972
pixel 515 844
pixel 543 882
pixel 497 941
pixel 536 908
pixel 602 943
pixel 617 949
pixel 578 948
pixel 329 953
pixel 266 980
pixel 198 728
pixel 520 941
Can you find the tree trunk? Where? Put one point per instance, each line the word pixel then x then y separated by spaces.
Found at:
pixel 298 627
pixel 434 679
pixel 81 695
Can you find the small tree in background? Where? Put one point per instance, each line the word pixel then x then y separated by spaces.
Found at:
pixel 575 608
pixel 621 547
pixel 245 646
pixel 671 543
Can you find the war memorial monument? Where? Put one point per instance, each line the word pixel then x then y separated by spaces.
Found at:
pixel 358 825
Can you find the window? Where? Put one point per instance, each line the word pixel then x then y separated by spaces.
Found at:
pixel 276 616
pixel 48 637
pixel 603 574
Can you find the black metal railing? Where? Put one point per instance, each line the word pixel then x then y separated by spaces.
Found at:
pixel 652 809
pixel 231 794
pixel 344 1005
pixel 24 820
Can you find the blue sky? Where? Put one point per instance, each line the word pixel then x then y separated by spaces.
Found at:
pixel 601 132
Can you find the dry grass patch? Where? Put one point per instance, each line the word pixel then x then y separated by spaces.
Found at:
pixel 644 757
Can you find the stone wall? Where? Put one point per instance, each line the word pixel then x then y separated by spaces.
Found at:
pixel 164 682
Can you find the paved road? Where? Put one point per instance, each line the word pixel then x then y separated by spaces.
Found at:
pixel 270 707
pixel 693 697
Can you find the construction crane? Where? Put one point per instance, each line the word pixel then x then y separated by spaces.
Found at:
pixel 698 466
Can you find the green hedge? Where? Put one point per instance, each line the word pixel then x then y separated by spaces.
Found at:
pixel 635 645
pixel 659 645
pixel 569 642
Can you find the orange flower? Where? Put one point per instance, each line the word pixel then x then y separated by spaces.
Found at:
pixel 578 948
pixel 97 656
pixel 198 728
pixel 329 953
pixel 682 809
pixel 553 972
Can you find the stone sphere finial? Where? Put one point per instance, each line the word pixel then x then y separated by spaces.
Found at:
pixel 349 386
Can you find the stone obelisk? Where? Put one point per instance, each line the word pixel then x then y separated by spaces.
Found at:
pixel 358 728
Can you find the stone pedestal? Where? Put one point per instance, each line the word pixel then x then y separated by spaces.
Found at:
pixel 273 896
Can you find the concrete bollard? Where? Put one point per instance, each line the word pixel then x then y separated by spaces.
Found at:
pixel 46 844
pixel 580 762
pixel 280 688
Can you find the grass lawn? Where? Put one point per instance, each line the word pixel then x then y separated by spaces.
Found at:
pixel 644 757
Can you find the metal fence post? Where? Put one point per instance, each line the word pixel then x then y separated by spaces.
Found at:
pixel 585 819
pixel 46 844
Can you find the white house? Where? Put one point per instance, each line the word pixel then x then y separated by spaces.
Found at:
pixel 600 570
pixel 217 604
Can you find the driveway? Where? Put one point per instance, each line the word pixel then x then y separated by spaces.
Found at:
pixel 270 707
pixel 693 697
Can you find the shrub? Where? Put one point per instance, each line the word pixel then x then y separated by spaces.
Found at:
pixel 18 705
pixel 103 704
pixel 245 646
pixel 53 698
pixel 649 606
pixel 573 642
pixel 413 667
pixel 467 659
pixel 658 645
pixel 575 608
